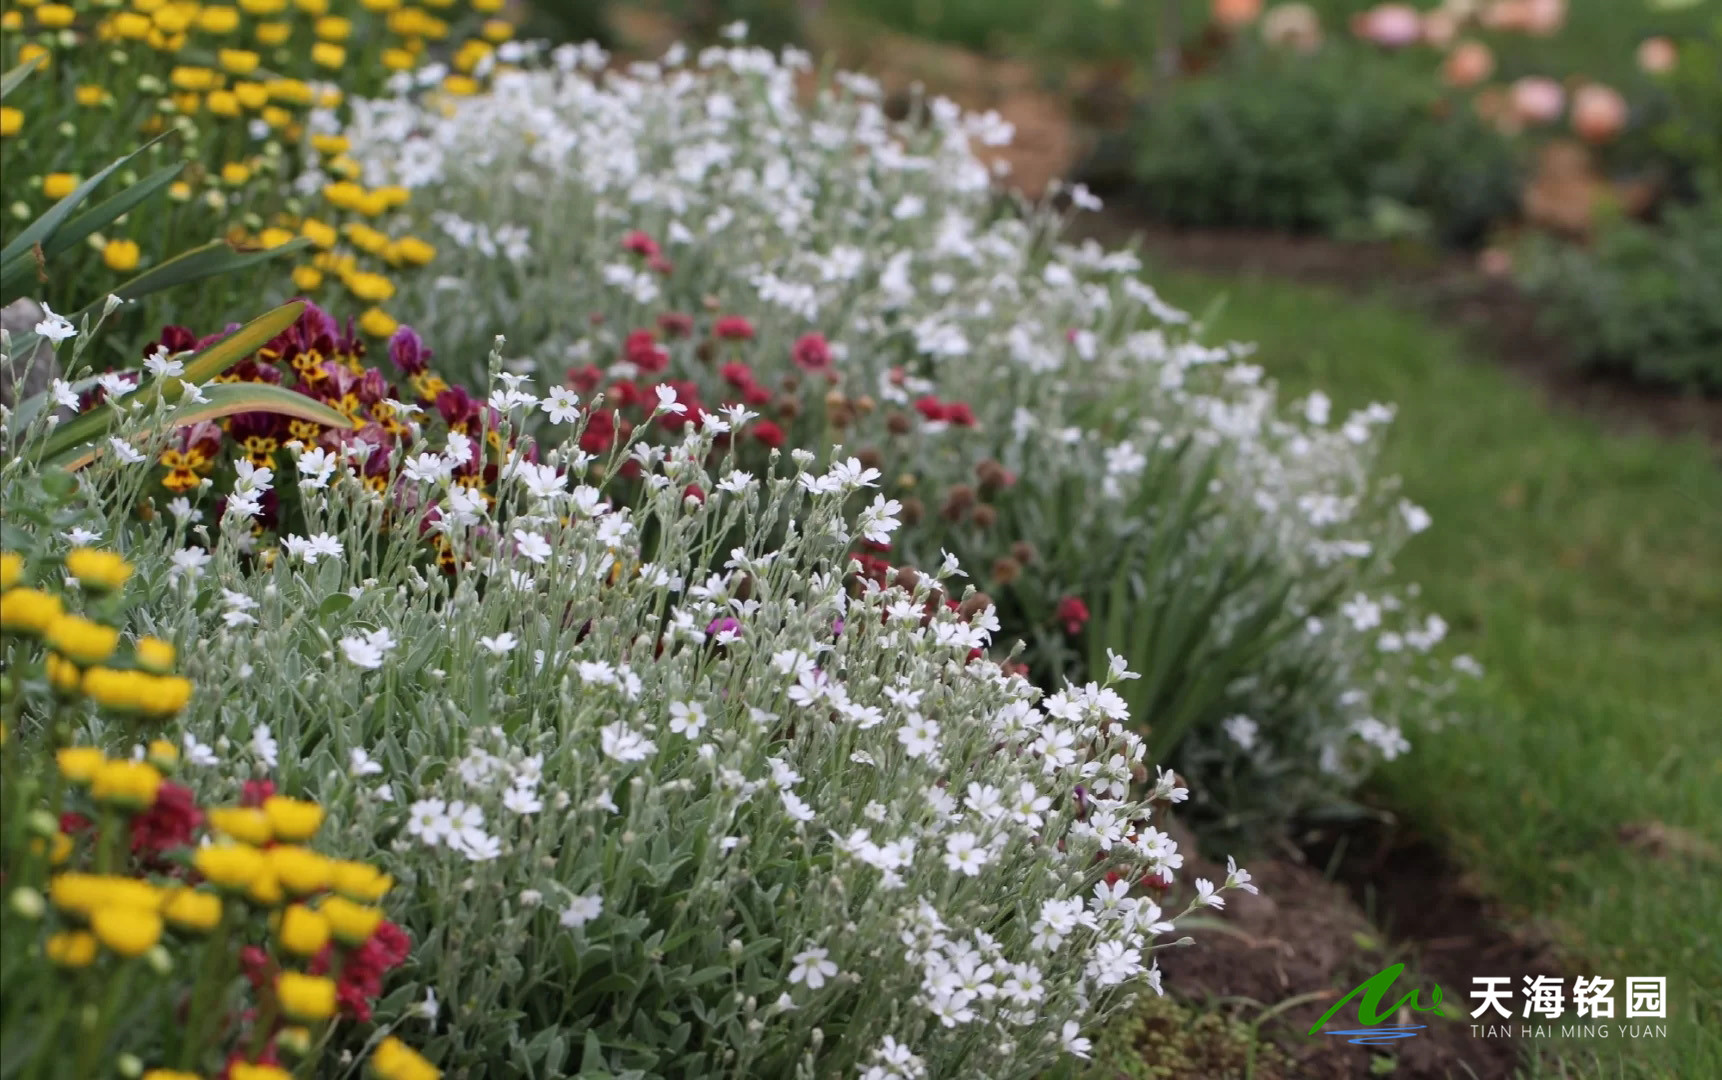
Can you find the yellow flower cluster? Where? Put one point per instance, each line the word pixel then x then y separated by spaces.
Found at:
pixel 81 650
pixel 224 72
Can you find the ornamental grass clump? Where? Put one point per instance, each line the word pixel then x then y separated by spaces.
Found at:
pixel 723 227
pixel 666 787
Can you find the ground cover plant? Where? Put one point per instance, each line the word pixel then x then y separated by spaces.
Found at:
pixel 684 843
pixel 1578 569
pixel 852 278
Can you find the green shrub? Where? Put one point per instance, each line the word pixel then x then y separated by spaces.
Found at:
pixel 1646 301
pixel 1314 143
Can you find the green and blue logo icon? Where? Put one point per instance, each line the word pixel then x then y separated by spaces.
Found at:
pixel 1374 991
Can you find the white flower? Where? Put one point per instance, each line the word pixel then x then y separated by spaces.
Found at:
pixel 965 854
pixel 362 653
pixel 582 910
pixel 125 451
pixel 56 328
pixel 812 967
pixel 532 546
pixel 1237 877
pixel 1073 1042
pixel 63 395
pixel 687 718
pixel 622 743
pixel 500 645
pixel 310 549
pixel 920 737
pixel 522 799
pixel 263 745
pixel 1206 896
pixel 78 536
pixel 795 807
pixel 359 763
pixel 188 563
pixel 197 753
pixel 667 400
pixel 1242 731
pixel 561 405
pixel 182 510
pixel 161 366
pixel 428 820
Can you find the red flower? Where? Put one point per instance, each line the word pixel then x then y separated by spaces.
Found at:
pixel 931 408
pixel 958 413
pixel 811 353
pixel 676 325
pixel 733 328
pixel 1073 613
pixel 255 791
pixel 167 824
pixel 640 244
pixel 755 394
pixel 661 265
pixel 695 492
pixel 641 349
pixel 585 379
pixel 600 433
pixel 768 433
pixel 737 374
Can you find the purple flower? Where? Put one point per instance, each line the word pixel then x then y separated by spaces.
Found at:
pixel 718 626
pixel 408 351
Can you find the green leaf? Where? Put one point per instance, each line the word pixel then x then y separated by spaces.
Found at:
pixel 215 257
pixel 334 603
pixel 17 253
pixel 9 81
pixel 110 210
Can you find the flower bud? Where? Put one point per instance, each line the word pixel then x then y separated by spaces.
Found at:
pixel 27 903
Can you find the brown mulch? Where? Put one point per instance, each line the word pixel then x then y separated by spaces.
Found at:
pixel 1445 285
pixel 1307 940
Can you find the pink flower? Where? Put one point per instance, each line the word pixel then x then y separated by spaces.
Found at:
pixel 733 328
pixel 811 353
pixel 640 244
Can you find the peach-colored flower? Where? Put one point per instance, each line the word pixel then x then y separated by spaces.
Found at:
pixel 1468 64
pixel 1599 112
pixel 1657 56
pixel 1537 99
pixel 1392 26
pixel 1234 14
pixel 1292 26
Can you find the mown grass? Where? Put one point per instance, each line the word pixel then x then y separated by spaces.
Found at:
pixel 1584 569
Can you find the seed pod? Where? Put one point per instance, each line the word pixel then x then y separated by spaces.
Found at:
pixel 985 517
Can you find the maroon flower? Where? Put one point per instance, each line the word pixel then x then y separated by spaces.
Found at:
pixel 1073 613
pixel 408 351
pixel 585 379
pixel 642 350
pixel 676 325
pixel 811 353
pixel 931 408
pixel 167 824
pixel 768 433
pixel 255 791
pixel 733 328
pixel 640 244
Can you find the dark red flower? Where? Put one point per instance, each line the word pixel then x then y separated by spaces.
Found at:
pixel 676 325
pixel 585 379
pixel 168 824
pixel 642 350
pixel 408 351
pixel 640 244
pixel 768 433
pixel 255 791
pixel 931 408
pixel 661 265
pixel 175 339
pixel 737 374
pixel 733 328
pixel 958 413
pixel 811 353
pixel 695 492
pixel 1073 613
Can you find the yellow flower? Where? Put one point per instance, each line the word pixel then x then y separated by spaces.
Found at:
pixel 414 251
pixel 395 195
pixel 28 611
pixel 395 1060
pixel 11 20
pixel 365 238
pixel 460 85
pixel 471 54
pixel 352 924
pixel 32 51
pixel 238 61
pixel 330 145
pixel 251 95
pixel 394 60
pixel 98 569
pixel 266 890
pixel 90 95
pixel 371 287
pixel 242 1071
pixel 64 675
pixel 187 103
pixel 273 33
pixel 344 194
pixel 378 323
pixel 230 866
pixel 333 28
pixel 277 117
pixel 300 869
pixel 128 784
pixel 121 255
pixel 82 640
pixel 81 894
pixel 78 764
pixel 171 19
pixel 312 7
pixel 190 909
pixel 128 931
pixel 373 203
pixel 305 997
pixel 11 121
pixel 179 190
pixel 192 78
pixel 161 695
pixel 223 103
pixel 59 185
pixel 263 7
pixel 291 91
pixel 169 1074
pixel 275 236
pixel 320 234
pixel 292 819
pixel 11 569
pixel 488 7
pixel 328 54
pixel 307 278
pixel 379 6
pixel 155 654
pixel 59 849
pixel 218 20
pixel 235 173
pixel 131 25
pixel 244 823
pixel 359 881
pixel 163 755
pixel 302 930
pixel 55 16
pixel 72 949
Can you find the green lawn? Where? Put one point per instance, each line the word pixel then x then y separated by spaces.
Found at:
pixel 1584 569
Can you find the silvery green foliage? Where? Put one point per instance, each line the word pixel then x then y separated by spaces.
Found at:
pixel 663 795
pixel 888 239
